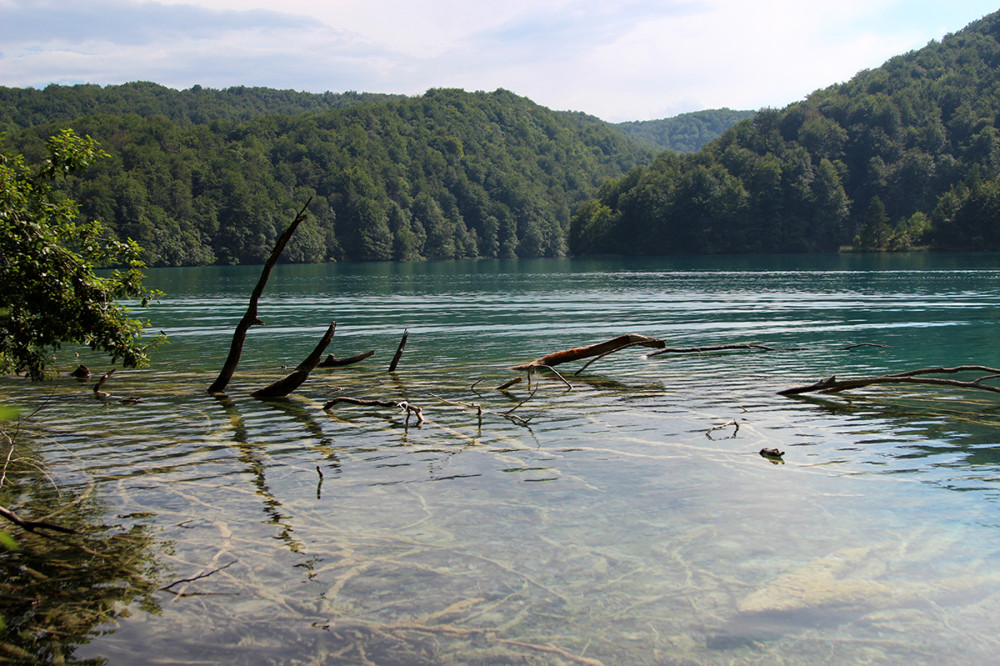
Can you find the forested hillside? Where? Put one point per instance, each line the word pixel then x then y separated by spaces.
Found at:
pixel 25 107
pixel 902 155
pixel 202 177
pixel 686 133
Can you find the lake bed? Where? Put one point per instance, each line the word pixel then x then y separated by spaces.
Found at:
pixel 625 516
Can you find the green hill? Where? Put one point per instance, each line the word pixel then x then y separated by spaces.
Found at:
pixel 201 177
pixel 26 107
pixel 686 133
pixel 903 155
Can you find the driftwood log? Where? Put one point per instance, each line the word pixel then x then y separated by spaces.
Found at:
pixel 594 352
pixel 749 346
pixel 711 348
pixel 834 385
pixel 250 318
pixel 333 362
pixel 289 383
pixel 398 404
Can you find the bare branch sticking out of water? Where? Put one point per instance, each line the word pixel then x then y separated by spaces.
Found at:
pixel 712 348
pixel 399 351
pixel 749 346
pixel 509 415
pixel 834 385
pixel 98 393
pixel 332 362
pixel 399 404
pixel 599 350
pixel 250 318
pixel 734 423
pixel 510 382
pixel 289 383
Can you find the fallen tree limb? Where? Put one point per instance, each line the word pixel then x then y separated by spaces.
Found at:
pixel 711 348
pixel 399 404
pixel 599 350
pixel 250 318
pixel 734 423
pixel 203 574
pixel 834 385
pixel 32 525
pixel 289 383
pixel 864 344
pixel 332 362
pixel 98 393
pixel 399 352
pixel 507 384
pixel 552 649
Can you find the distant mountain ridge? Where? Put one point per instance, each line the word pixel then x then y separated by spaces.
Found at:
pixel 203 177
pixel 686 133
pixel 26 107
pixel 902 156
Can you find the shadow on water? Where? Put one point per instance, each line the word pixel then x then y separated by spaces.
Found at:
pixel 60 591
pixel 961 428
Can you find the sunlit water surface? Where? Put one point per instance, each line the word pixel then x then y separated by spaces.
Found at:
pixel 627 518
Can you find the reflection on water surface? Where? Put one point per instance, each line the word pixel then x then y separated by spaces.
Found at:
pixel 614 526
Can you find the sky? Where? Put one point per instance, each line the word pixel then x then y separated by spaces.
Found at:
pixel 616 59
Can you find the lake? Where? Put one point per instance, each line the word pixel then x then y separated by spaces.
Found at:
pixel 622 515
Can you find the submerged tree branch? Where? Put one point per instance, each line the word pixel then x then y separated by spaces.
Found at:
pixel 32 525
pixel 834 385
pixel 711 348
pixel 399 404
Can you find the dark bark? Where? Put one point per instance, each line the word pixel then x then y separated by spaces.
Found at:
pixel 250 318
pixel 332 362
pixel 834 385
pixel 698 350
pixel 399 352
pixel 598 350
pixel 289 383
pixel 400 404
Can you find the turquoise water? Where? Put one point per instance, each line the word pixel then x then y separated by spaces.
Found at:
pixel 624 517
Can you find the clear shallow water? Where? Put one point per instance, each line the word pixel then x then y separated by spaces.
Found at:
pixel 617 526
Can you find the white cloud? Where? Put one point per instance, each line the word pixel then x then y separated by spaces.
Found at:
pixel 624 59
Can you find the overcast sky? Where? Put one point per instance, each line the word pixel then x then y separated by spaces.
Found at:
pixel 616 59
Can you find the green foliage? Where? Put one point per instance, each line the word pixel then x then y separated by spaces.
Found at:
pixel 445 175
pixel 920 136
pixel 28 107
pixel 686 133
pixel 49 293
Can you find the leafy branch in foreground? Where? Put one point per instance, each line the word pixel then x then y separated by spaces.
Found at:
pixel 49 292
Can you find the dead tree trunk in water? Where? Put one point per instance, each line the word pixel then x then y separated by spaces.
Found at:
pixel 289 383
pixel 399 352
pixel 598 350
pixel 333 362
pixel 834 385
pixel 250 318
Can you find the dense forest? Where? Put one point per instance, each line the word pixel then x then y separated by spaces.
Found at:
pixel 898 157
pixel 904 155
pixel 202 177
pixel 686 133
pixel 26 107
